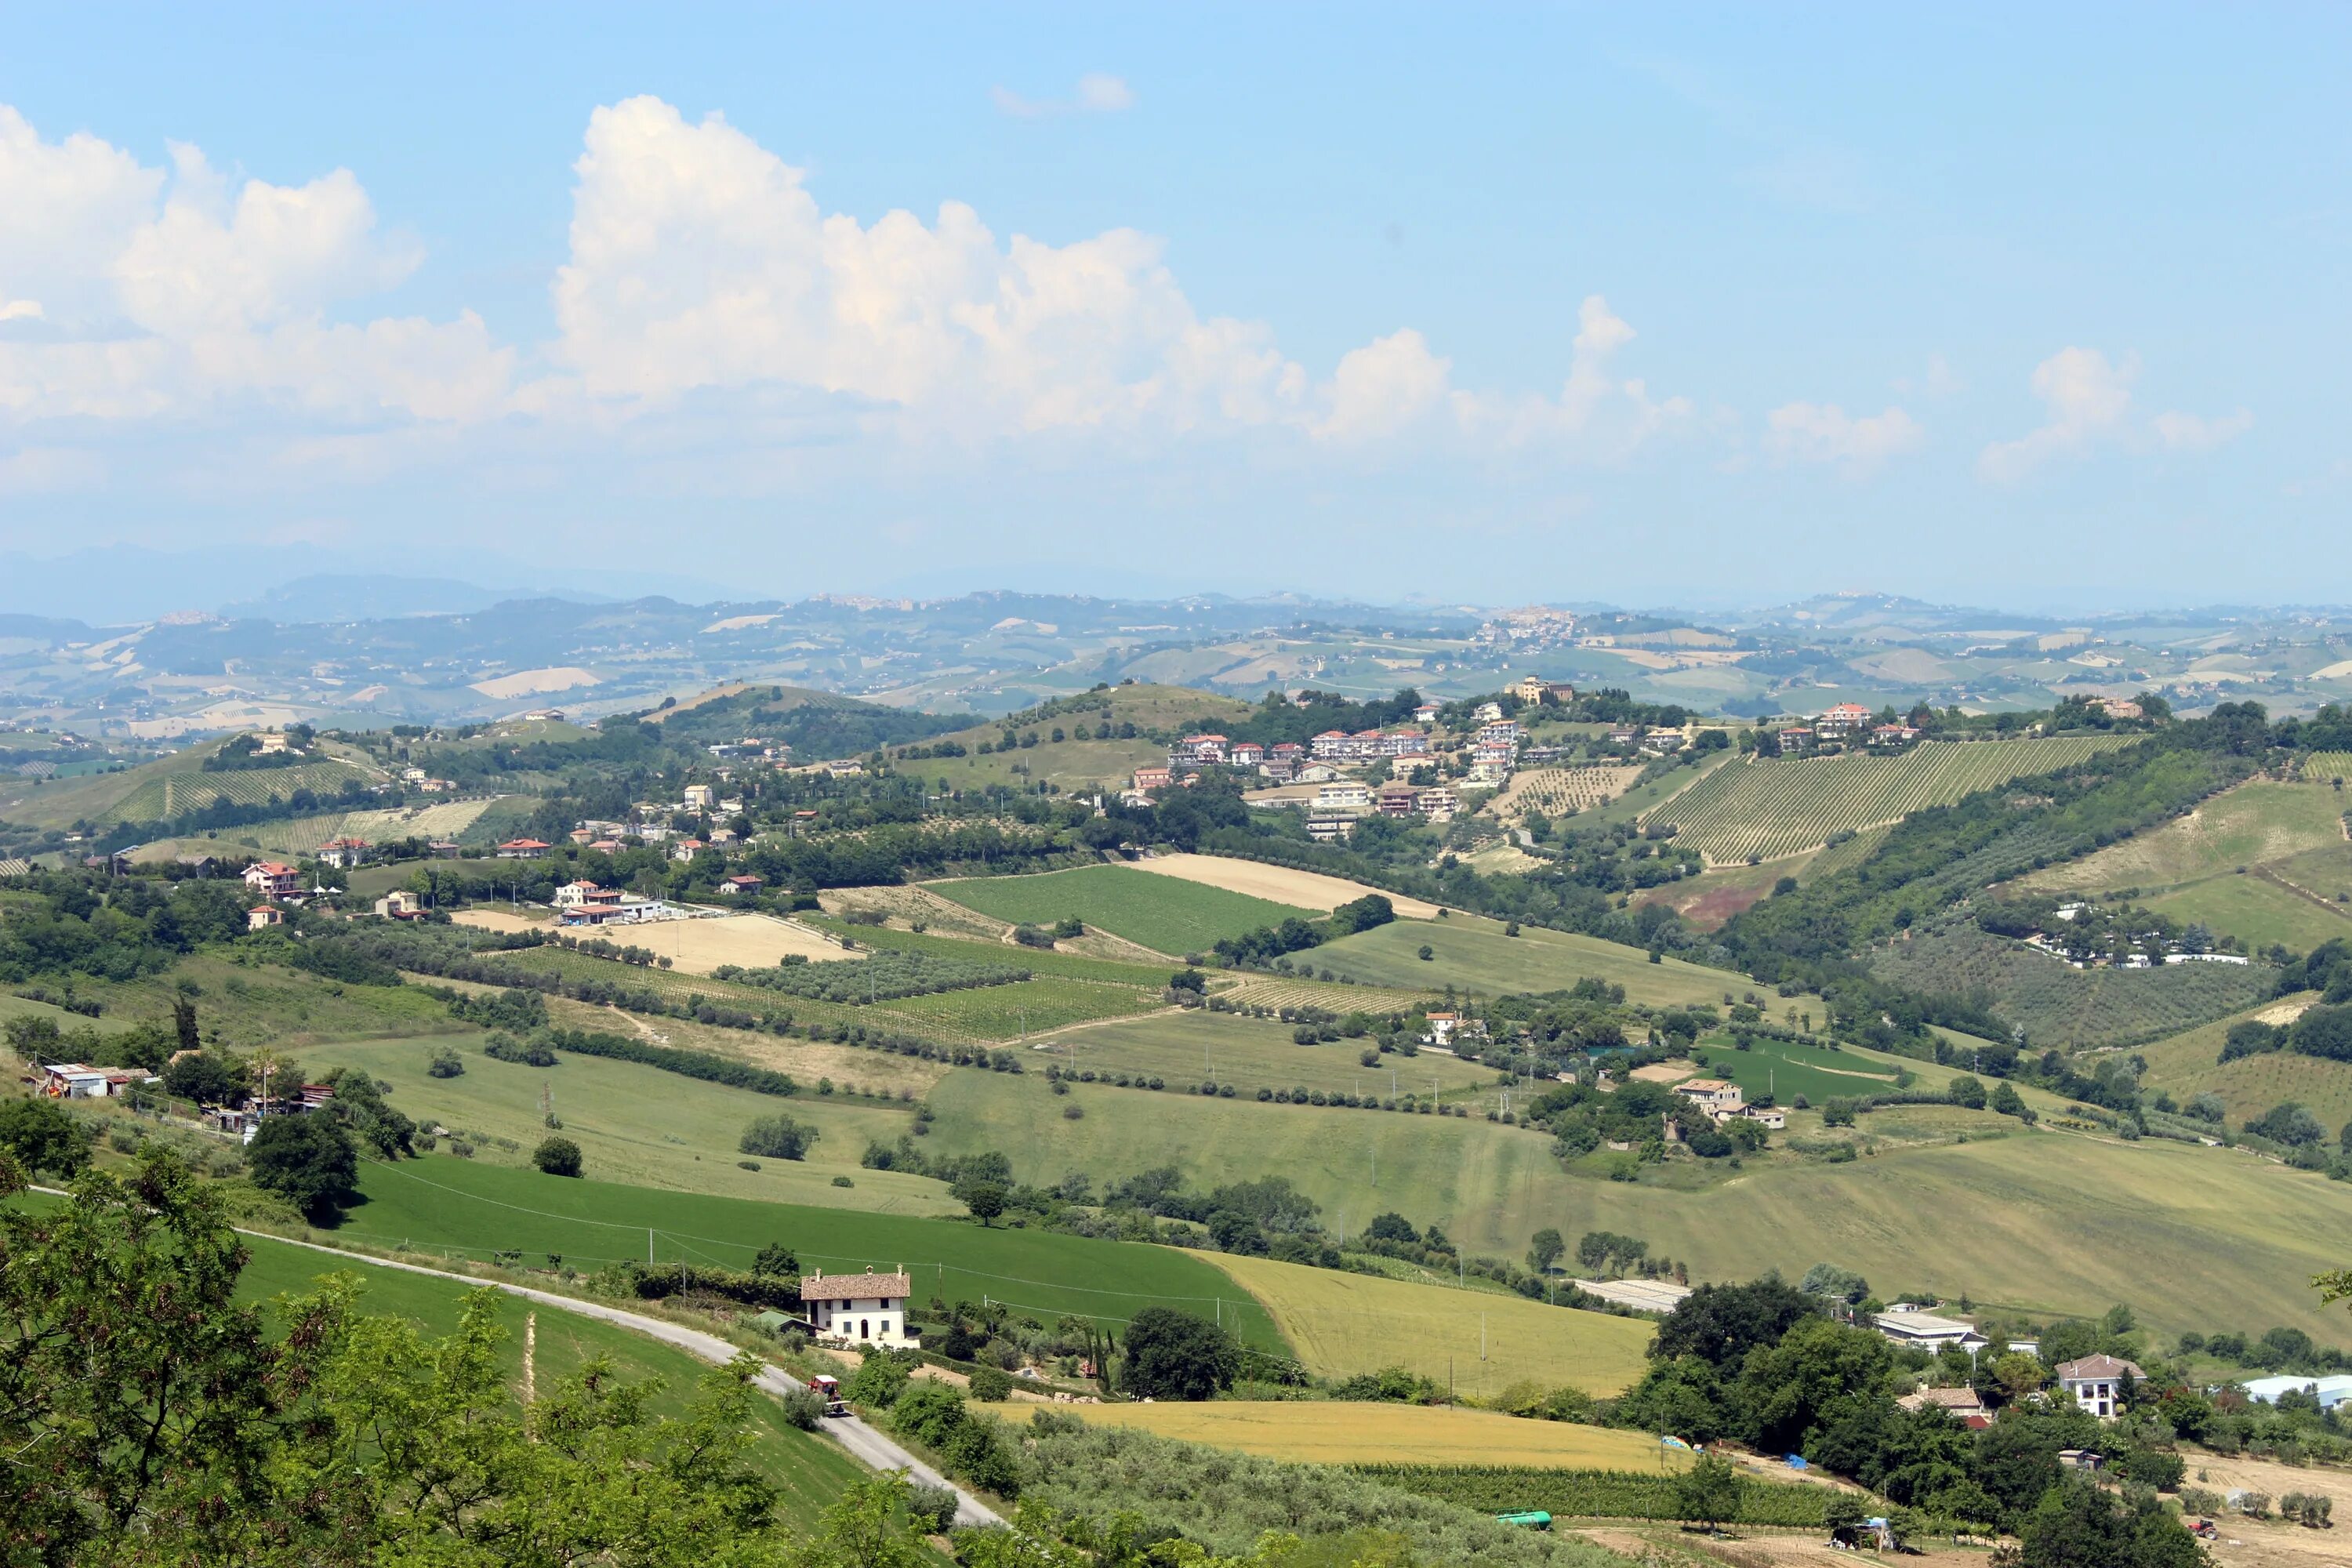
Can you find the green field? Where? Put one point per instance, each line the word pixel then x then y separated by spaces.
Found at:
pixel 1190 1047
pixel 18 1008
pixel 1010 1012
pixel 1772 808
pixel 1166 914
pixel 265 1004
pixel 1342 1324
pixel 2262 863
pixel 1785 1070
pixel 808 1471
pixel 442 1205
pixel 2256 822
pixel 2048 1221
pixel 640 1125
pixel 1037 961
pixel 1473 954
pixel 2256 910
pixel 2067 1008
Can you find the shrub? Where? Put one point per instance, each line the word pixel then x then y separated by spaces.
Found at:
pixel 777 1138
pixel 557 1157
pixel 933 1509
pixel 446 1063
pixel 992 1384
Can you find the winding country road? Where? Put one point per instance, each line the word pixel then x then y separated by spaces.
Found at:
pixel 867 1446
pixel 865 1443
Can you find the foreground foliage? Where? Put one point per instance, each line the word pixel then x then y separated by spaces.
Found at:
pixel 147 1417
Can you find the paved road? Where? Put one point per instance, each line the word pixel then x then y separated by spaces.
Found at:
pixel 868 1446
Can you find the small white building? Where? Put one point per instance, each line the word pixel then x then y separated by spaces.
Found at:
pixel 862 1309
pixel 1910 1326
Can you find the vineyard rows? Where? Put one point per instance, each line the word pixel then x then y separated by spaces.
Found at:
pixel 175 794
pixel 1766 808
pixel 302 834
pixel 1556 792
pixel 2322 766
pixel 1279 992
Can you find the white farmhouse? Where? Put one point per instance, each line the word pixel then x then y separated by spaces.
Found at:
pixel 862 1309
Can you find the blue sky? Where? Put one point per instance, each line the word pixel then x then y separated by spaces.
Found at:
pixel 1652 304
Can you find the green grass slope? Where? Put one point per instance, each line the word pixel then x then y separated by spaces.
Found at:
pixel 2258 821
pixel 1166 914
pixel 640 1125
pixel 2046 1221
pixel 1196 1046
pixel 809 1472
pixel 443 1203
pixel 1472 954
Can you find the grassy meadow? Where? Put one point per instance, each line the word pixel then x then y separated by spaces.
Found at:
pixel 2234 864
pixel 2262 820
pixel 1328 1432
pixel 642 1126
pixel 1342 1324
pixel 450 1205
pixel 260 1003
pixel 1192 1046
pixel 1786 1069
pixel 1472 954
pixel 809 1471
pixel 2258 912
pixel 2049 1221
pixel 1164 913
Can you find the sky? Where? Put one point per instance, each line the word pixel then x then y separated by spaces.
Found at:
pixel 2036 307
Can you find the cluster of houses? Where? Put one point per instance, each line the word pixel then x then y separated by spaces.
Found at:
pixel 2143 949
pixel 1843 725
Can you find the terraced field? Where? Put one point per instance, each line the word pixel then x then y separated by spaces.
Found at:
pixel 1770 808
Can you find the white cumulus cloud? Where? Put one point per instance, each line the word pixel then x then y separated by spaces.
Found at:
pixel 1825 433
pixel 2087 402
pixel 2191 433
pixel 707 304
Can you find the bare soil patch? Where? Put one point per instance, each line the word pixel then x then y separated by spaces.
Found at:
pixel 753 942
pixel 1278 884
